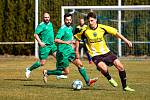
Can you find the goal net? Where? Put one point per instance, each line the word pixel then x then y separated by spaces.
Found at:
pixel 131 21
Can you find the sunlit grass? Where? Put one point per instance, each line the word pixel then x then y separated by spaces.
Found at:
pixel 14 86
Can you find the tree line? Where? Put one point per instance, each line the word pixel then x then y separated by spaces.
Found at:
pixel 17 20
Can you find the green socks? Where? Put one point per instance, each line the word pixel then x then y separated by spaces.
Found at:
pixel 35 65
pixel 84 74
pixel 54 72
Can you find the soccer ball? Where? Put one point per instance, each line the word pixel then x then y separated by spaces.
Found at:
pixel 77 85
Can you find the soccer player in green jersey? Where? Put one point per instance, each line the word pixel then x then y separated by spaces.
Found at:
pixel 45 37
pixel 100 53
pixel 66 54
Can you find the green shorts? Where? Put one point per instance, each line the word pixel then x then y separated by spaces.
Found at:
pixel 44 52
pixel 63 59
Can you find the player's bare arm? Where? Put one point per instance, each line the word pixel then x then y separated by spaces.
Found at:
pixel 63 42
pixel 129 43
pixel 39 40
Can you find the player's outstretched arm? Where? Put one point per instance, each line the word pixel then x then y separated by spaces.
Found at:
pixel 63 42
pixel 129 43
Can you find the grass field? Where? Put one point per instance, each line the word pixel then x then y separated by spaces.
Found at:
pixel 14 86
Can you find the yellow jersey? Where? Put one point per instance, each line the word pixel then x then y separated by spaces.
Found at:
pixel 94 39
pixel 79 28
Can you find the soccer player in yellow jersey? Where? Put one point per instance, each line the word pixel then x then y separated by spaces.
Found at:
pixel 81 26
pixel 100 53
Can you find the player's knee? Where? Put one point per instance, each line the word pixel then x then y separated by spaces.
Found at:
pixel 79 64
pixel 66 72
pixel 119 67
pixel 101 66
pixel 42 63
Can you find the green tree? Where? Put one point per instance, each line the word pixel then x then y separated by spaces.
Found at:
pixel 8 24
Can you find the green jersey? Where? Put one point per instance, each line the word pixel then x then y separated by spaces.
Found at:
pixel 45 33
pixel 65 34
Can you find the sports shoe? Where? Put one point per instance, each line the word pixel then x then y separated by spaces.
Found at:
pixel 92 81
pixel 45 76
pixel 113 82
pixel 61 77
pixel 127 88
pixel 28 72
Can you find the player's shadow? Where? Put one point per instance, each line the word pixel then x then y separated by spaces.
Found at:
pixel 49 86
pixel 97 89
pixel 62 86
pixel 19 79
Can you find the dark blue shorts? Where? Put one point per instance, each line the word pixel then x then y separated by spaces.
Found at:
pixel 107 58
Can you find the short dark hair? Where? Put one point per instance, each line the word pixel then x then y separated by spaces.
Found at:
pixel 91 14
pixel 67 15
